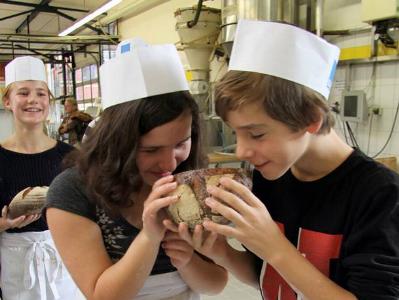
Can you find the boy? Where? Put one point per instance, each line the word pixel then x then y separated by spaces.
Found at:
pixel 322 221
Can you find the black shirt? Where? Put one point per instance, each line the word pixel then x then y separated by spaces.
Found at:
pixel 68 193
pixel 19 171
pixel 346 224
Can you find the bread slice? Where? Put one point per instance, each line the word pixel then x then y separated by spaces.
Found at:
pixel 192 192
pixel 28 202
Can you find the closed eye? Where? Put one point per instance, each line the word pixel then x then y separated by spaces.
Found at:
pixel 149 150
pixel 257 136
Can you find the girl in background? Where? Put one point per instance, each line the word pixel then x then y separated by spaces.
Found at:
pixel 30 265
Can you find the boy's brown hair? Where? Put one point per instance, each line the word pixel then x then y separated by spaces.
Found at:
pixel 291 103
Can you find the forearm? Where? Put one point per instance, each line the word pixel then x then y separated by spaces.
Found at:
pixel 241 264
pixel 124 279
pixel 303 277
pixel 203 276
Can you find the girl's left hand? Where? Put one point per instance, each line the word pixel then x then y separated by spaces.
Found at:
pixel 179 251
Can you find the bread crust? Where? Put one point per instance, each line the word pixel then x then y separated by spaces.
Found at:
pixel 192 192
pixel 29 201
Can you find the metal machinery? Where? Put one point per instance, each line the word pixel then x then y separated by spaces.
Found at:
pixel 208 32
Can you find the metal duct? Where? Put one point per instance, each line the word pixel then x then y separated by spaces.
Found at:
pixel 269 10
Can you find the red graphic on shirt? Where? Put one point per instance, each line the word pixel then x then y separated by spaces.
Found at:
pixel 319 248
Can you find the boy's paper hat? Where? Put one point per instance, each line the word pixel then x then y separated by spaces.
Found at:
pixel 285 51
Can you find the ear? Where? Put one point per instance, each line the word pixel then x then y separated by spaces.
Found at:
pixel 314 127
pixel 6 103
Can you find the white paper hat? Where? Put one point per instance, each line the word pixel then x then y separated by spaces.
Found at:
pixel 140 70
pixel 25 68
pixel 284 51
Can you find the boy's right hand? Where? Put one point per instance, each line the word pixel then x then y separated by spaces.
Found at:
pixel 6 223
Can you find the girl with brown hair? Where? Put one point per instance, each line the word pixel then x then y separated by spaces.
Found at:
pixel 106 213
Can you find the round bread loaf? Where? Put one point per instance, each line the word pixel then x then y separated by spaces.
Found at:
pixel 28 202
pixel 192 192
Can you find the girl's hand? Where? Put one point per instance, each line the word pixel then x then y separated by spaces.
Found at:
pixel 6 223
pixel 179 251
pixel 153 213
pixel 209 244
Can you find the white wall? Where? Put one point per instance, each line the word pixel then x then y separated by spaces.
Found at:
pixel 342 14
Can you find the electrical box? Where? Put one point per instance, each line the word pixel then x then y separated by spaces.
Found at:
pixel 377 10
pixel 353 106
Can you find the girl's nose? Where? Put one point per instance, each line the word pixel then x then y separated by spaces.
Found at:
pixel 168 161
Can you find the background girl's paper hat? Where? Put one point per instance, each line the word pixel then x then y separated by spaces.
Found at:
pixel 140 70
pixel 285 51
pixel 25 68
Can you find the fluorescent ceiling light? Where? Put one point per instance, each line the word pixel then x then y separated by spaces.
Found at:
pixel 107 6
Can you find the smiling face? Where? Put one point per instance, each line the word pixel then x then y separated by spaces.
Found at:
pixel 29 101
pixel 163 148
pixel 271 146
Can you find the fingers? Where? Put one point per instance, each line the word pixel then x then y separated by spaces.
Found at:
pixel 153 207
pixel 170 225
pixel 4 211
pixel 185 233
pixel 162 181
pixel 197 236
pixel 17 222
pixel 234 211
pixel 240 190
pixel 161 191
pixel 210 240
pixel 28 219
pixel 225 230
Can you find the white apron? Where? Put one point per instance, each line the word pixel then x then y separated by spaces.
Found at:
pixel 31 268
pixel 168 286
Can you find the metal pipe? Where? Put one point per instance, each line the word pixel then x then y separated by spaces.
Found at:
pixel 192 23
pixel 319 17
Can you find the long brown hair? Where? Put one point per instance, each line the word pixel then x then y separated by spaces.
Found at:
pixel 291 103
pixel 107 158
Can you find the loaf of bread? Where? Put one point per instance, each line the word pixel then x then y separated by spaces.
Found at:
pixel 192 192
pixel 27 202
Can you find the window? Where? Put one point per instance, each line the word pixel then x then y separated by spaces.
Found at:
pixel 87 89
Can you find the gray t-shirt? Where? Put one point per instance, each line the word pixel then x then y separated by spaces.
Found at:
pixel 67 192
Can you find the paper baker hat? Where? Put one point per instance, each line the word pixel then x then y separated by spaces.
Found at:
pixel 25 68
pixel 284 51
pixel 140 70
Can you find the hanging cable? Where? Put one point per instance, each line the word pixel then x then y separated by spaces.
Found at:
pixel 351 135
pixel 369 135
pixel 390 133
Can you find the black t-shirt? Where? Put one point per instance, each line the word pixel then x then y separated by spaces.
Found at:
pixel 346 224
pixel 19 171
pixel 67 192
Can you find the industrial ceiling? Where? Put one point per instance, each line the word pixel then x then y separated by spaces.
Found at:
pixel 31 27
